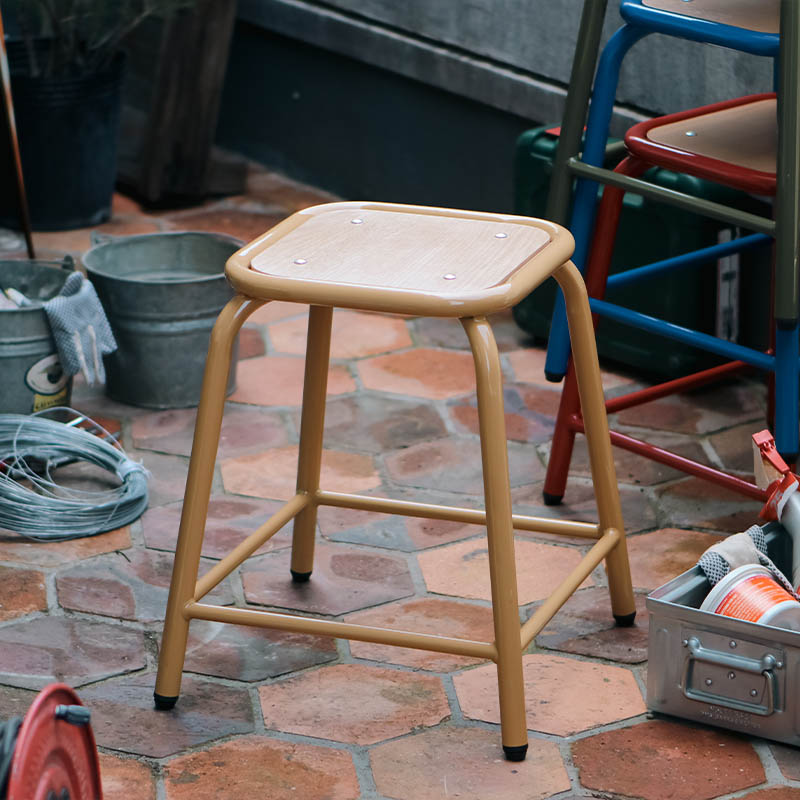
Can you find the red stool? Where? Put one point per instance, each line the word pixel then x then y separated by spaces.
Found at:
pixel 732 143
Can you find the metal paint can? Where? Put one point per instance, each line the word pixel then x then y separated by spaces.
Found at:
pixel 33 379
pixel 751 593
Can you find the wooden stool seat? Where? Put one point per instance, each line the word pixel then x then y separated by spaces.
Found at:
pixel 409 260
pixel 734 143
pixel 752 15
pixel 382 257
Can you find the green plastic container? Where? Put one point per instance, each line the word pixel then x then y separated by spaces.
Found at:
pixel 648 232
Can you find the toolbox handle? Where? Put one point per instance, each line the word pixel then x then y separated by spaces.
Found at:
pixel 759 666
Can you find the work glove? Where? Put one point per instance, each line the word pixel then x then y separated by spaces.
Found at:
pixel 80 329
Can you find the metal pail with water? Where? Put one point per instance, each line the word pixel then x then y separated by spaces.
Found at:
pixel 32 377
pixel 162 293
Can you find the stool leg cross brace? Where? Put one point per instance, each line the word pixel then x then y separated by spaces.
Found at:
pixel 510 640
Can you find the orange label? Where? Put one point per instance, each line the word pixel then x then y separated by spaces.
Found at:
pixel 752 598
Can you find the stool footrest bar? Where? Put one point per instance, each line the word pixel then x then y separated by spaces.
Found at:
pixel 245 549
pixel 522 522
pixel 534 624
pixel 341 630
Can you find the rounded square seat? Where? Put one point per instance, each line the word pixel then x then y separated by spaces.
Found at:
pixel 402 259
pixel 734 143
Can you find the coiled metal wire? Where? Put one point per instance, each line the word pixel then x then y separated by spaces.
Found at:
pixel 33 504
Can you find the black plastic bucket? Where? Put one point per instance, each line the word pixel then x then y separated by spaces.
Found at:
pixel 68 130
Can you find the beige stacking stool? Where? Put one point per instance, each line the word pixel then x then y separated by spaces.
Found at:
pixel 424 262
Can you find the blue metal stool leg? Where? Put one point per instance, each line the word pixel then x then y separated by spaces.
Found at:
pixel 787 394
pixel 600 110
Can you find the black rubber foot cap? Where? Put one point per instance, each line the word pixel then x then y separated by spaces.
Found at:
pixel 164 703
pixel 552 499
pixel 515 753
pixel 626 620
pixel 553 377
pixel 300 577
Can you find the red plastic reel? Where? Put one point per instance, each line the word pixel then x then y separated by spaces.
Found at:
pixel 54 759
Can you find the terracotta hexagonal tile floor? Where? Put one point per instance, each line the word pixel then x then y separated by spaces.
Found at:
pixel 347 335
pixel 256 766
pixel 19 550
pixel 241 653
pixel 230 519
pixel 123 717
pixel 124 778
pixel 435 374
pixel 667 761
pixel 278 381
pixel 353 703
pixel 562 695
pixel 273 474
pixel 462 569
pixel 662 555
pixel 585 626
pixel 36 652
pixel 21 592
pixel 454 465
pixel 465 763
pixel 344 579
pixel 430 615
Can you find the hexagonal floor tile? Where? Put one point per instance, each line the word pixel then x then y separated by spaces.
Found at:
pixel 123 716
pixel 466 763
pixel 126 778
pixel 454 465
pixel 347 335
pixel 695 503
pixel 527 366
pixel 273 474
pixel 127 587
pixel 252 654
pixel 251 343
pixel 585 626
pixel 449 334
pixel 579 505
pixel 278 381
pixel 428 615
pixel 256 766
pixel 435 374
pixel 19 550
pixel 167 475
pixel 230 520
pixel 15 702
pixel 244 430
pixel 21 592
pixel 353 703
pixel 708 409
pixel 774 793
pixel 391 530
pixel 663 760
pixel 39 651
pixel 377 424
pixel 344 579
pixel 788 759
pixel 244 225
pixel 662 555
pixel 462 569
pixel 562 695
pixel 530 413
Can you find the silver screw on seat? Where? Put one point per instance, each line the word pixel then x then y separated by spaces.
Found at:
pixel 501 236
pixel 301 261
pixel 449 276
pixel 357 221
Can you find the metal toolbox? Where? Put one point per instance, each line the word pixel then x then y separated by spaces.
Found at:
pixel 723 671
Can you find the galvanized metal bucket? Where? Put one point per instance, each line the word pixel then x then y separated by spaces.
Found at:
pixel 32 375
pixel 162 293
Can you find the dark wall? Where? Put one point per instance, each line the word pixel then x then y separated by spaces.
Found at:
pixel 363 132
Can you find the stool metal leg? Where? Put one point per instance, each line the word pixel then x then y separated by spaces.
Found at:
pixel 312 423
pixel 604 478
pixel 500 537
pixel 195 504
